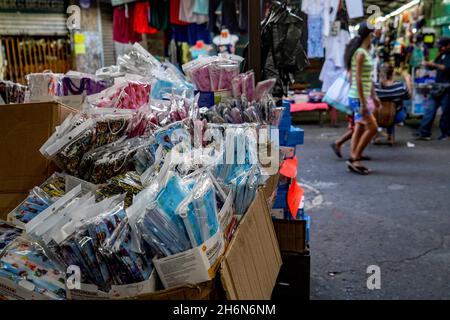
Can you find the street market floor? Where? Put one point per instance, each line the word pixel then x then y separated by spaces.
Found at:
pixel 398 218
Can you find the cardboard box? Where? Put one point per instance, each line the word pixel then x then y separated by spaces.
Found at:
pixel 9 201
pixel 252 262
pixel 25 127
pixel 91 292
pixel 270 188
pixel 291 235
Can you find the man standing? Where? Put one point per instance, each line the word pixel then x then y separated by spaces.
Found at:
pixel 440 94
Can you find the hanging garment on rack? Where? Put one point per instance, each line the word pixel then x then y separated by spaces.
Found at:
pixel 313 7
pixel 123 25
pixel 355 8
pixel 141 18
pixel 228 17
pixel 172 52
pixel 282 53
pixel 159 14
pixel 329 15
pixel 329 74
pixel 243 15
pixel 187 13
pixel 201 7
pixel 175 13
pixel 315 39
pixel 198 32
pixel 335 47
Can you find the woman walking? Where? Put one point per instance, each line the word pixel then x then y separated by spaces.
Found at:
pixel 362 97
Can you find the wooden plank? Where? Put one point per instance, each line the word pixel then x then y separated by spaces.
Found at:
pixel 30 56
pixel 40 55
pixel 44 50
pixel 14 60
pixel 8 57
pixel 54 57
pixel 19 56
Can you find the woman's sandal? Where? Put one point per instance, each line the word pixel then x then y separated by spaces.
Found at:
pixel 357 169
pixel 336 150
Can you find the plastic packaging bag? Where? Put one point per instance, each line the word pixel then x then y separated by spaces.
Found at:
pixel 8 233
pixel 25 260
pixel 128 183
pixel 68 151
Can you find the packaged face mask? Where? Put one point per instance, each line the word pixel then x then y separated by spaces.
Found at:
pixel 128 183
pixel 199 211
pixel 7 234
pixel 36 202
pixel 68 151
pixel 126 265
pixel 24 259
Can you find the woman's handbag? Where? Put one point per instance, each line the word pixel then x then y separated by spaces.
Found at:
pixel 337 94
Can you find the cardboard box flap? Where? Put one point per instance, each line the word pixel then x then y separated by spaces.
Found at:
pixel 252 262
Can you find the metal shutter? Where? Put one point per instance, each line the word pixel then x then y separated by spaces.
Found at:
pixel 47 24
pixel 109 56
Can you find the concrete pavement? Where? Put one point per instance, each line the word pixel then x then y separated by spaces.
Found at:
pixel 398 218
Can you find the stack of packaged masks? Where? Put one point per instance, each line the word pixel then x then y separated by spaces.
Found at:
pixel 142 179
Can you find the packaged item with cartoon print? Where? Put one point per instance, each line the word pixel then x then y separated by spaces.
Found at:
pixel 25 261
pixel 68 151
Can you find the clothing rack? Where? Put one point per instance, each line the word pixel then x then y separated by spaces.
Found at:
pixel 254 31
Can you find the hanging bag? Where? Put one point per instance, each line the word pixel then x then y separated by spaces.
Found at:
pixel 337 94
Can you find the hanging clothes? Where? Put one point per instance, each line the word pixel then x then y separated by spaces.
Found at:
pixel 187 13
pixel 335 47
pixel 243 15
pixel 175 13
pixel 228 18
pixel 201 7
pixel 282 54
pixel 141 18
pixel 123 25
pixel 159 14
pixel 315 39
pixel 329 14
pixel 198 32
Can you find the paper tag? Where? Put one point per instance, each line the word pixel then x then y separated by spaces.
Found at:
pixel 289 168
pixel 295 194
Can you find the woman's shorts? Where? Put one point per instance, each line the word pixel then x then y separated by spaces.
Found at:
pixel 355 105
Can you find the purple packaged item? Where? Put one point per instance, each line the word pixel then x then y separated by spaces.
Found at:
pixel 236 86
pixel 91 86
pixel 214 76
pixel 200 77
pixel 263 88
pixel 248 85
pixel 227 74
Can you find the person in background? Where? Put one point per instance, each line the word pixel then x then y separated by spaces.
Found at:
pixel 362 96
pixel 440 94
pixel 393 91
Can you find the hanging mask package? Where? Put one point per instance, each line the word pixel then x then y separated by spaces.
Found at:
pixel 110 125
pixel 83 247
pixel 68 151
pixel 199 211
pixel 128 183
pixel 106 162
